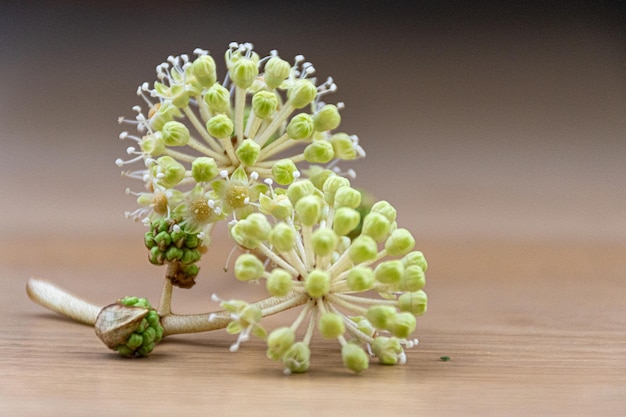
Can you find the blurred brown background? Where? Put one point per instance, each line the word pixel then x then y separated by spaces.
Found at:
pixel 480 119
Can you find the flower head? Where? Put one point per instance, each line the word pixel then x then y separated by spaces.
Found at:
pixel 307 259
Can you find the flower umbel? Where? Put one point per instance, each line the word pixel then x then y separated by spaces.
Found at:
pixel 307 259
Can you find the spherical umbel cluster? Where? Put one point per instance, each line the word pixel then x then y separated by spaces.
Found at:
pixel 305 257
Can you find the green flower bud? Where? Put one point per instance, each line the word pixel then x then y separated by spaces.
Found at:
pixel 327 118
pixel 399 243
pixel 319 152
pixel 152 145
pixel 163 240
pixel 157 257
pixel 276 71
pixel 248 152
pixel 360 278
pixel 414 279
pixel 169 171
pixel 413 302
pixel 301 93
pixel 381 316
pixel 309 209
pixel 389 272
pixel 385 209
pixel 190 256
pixel 256 226
pixel 204 169
pixel 331 185
pixel 403 325
pixel 280 207
pixel 317 283
pixel 279 342
pixel 240 235
pixel 164 113
pixel 173 253
pixel 415 258
pixel 217 99
pixel 324 241
pixel 354 357
pixel 346 220
pixel 282 237
pixel 243 72
pixel 279 283
pixel 364 325
pixel 283 171
pixel 300 189
pixel 343 146
pixel 220 126
pixel 148 239
pixel 363 249
pixel 264 104
pixel 331 325
pixel 388 350
pixel 376 225
pixel 347 197
pixel 190 270
pixel 248 267
pixel 318 175
pixel 203 68
pixel 192 241
pixel 297 358
pixel 300 126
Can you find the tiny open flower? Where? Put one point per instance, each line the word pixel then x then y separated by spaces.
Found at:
pixel 305 261
pixel 265 117
pixel 244 322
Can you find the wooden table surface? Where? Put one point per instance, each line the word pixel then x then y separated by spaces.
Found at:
pixel 531 329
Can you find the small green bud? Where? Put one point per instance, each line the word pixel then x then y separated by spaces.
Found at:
pixel 319 152
pixel 243 72
pixel 276 71
pixel 324 241
pixel 248 152
pixel 203 68
pixel 363 249
pixel 297 358
pixel 173 253
pixel 309 209
pixel 331 185
pixel 280 207
pixel 317 283
pixel 403 325
pixel 364 325
pixel 248 267
pixel 284 171
pixel 343 146
pixel 413 302
pixel 179 96
pixel 354 357
pixel 264 104
pixel 331 325
pixel 156 256
pixel 204 169
pixel 376 225
pixel 220 126
pixel 360 278
pixel 415 258
pixel 389 272
pixel 381 316
pixel 318 175
pixel 347 197
pixel 388 350
pixel 164 113
pixel 327 118
pixel 385 209
pixel 163 240
pixel 217 99
pixel 300 189
pixel 399 243
pixel 148 239
pixel 190 270
pixel 239 233
pixel 190 256
pixel 301 93
pixel 152 145
pixel 279 283
pixel 256 226
pixel 414 279
pixel 346 220
pixel 279 342
pixel 282 237
pixel 169 171
pixel 300 126
pixel 192 241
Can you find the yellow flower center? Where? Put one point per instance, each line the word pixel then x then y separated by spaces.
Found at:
pixel 159 202
pixel 200 210
pixel 236 195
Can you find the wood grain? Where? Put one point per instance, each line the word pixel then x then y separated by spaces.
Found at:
pixel 530 328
